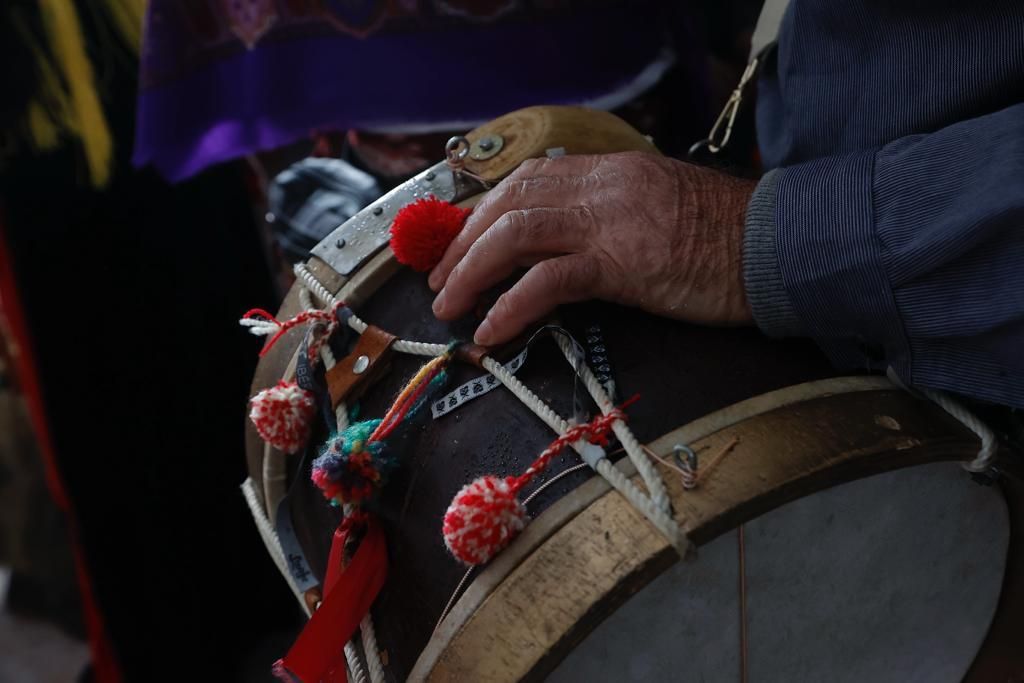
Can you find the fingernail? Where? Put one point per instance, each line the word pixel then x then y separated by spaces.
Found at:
pixel 438 306
pixel 484 333
pixel 434 280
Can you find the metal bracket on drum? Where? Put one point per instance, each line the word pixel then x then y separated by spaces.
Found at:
pixel 356 240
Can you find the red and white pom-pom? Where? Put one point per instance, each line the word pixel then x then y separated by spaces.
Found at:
pixel 282 415
pixel 482 519
pixel 423 230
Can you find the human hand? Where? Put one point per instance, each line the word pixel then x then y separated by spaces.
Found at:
pixel 632 228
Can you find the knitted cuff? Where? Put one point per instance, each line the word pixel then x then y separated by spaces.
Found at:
pixel 773 311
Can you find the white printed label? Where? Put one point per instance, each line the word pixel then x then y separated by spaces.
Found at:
pixel 473 388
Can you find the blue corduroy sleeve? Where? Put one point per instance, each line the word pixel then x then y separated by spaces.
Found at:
pixel 910 256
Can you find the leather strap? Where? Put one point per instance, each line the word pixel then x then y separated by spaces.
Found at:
pixel 472 353
pixel 347 380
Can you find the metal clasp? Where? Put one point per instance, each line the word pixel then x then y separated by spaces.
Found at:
pixel 721 131
pixel 455 152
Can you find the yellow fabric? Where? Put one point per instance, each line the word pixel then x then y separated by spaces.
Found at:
pixel 85 118
pixel 41 127
pixel 48 112
pixel 67 101
pixel 128 16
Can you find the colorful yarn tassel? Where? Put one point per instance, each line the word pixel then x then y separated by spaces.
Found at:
pixel 486 514
pixel 357 463
pixel 351 468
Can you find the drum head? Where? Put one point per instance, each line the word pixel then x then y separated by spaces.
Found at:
pixel 891 578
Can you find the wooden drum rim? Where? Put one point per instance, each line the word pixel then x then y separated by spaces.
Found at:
pixel 855 427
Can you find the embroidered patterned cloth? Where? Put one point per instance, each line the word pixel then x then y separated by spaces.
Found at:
pixel 223 78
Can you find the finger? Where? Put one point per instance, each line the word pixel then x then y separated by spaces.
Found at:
pixel 548 284
pixel 524 189
pixel 516 240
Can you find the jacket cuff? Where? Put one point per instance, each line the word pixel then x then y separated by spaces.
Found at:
pixel 830 256
pixel 762 276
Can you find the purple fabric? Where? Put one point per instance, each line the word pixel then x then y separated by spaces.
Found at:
pixel 206 98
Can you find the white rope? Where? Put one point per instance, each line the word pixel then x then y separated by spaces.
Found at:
pixel 650 475
pixel 259 327
pixel 524 394
pixel 656 506
pixel 357 672
pixel 414 348
pixel 270 539
pixel 989 446
pixel 371 650
pixel 314 285
pixel 659 517
pixel 355 667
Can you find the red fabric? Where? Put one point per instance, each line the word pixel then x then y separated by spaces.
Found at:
pixel 423 230
pixel 104 662
pixel 318 654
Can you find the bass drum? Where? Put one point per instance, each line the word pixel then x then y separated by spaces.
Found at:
pixel 835 539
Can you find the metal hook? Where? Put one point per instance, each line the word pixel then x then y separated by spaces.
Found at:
pixel 687 465
pixel 717 139
pixel 455 152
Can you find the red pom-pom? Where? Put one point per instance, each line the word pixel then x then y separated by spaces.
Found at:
pixel 282 415
pixel 482 519
pixel 423 230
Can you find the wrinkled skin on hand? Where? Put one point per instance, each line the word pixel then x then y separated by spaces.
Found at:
pixel 632 228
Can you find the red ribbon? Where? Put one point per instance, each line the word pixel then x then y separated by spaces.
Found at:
pixel 349 591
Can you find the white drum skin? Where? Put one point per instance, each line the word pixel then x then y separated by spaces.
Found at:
pixel 891 578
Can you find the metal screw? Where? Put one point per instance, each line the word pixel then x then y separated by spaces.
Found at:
pixel 679 452
pixel 430 176
pixel 340 244
pixel 359 367
pixel 378 210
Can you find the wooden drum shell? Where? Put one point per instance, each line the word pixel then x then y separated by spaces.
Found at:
pixel 816 435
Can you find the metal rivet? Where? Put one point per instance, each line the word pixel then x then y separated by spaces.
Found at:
pixel 340 244
pixel 430 176
pixel 487 147
pixel 359 367
pixel 378 210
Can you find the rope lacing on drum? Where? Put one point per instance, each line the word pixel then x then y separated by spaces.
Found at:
pixel 654 504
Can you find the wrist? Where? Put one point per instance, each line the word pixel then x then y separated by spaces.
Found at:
pixel 731 223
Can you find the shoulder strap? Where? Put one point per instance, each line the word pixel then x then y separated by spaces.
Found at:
pixel 766 32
